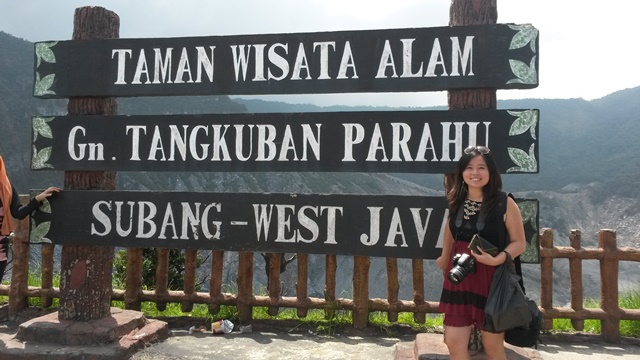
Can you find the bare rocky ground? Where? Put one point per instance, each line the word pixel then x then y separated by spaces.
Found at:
pixel 288 340
pixel 276 343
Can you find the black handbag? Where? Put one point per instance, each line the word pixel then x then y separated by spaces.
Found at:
pixel 527 336
pixel 506 307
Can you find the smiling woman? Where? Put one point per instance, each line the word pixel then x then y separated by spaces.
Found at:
pixel 477 207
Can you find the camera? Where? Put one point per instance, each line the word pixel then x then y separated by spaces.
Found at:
pixel 463 264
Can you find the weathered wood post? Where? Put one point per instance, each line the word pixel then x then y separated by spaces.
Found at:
pixel 215 284
pixel 20 274
pixel 361 266
pixel 461 13
pixel 546 275
pixel 302 282
pixel 245 286
pixel 417 266
pixel 47 274
pixel 190 264
pixel 474 12
pixel 393 287
pixel 133 279
pixel 575 271
pixel 331 266
pixel 162 276
pixel 86 271
pixel 609 265
pixel 274 262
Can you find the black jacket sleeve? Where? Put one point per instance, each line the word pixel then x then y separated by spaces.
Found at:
pixel 19 211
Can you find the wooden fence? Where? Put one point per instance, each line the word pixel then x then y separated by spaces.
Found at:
pixel 607 253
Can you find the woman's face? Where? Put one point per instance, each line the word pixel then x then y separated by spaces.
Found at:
pixel 476 174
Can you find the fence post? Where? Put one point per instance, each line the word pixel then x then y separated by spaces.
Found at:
pixel 417 266
pixel 47 274
pixel 575 276
pixel 609 285
pixel 245 285
pixel 18 299
pixel 274 288
pixel 215 284
pixel 302 284
pixel 133 279
pixel 546 275
pixel 361 266
pixel 331 266
pixel 162 276
pixel 189 280
pixel 393 286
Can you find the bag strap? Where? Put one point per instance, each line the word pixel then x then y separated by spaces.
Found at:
pixel 503 236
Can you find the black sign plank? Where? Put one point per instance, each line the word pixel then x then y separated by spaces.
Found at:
pixel 368 225
pixel 397 141
pixel 503 56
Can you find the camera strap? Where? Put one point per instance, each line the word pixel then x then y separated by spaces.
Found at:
pixel 479 225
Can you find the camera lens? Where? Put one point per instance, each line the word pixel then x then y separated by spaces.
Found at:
pixel 455 275
pixel 464 264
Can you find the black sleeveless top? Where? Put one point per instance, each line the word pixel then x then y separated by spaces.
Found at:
pixel 469 228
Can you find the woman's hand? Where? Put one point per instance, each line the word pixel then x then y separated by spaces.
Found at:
pixel 442 263
pixel 45 194
pixel 487 259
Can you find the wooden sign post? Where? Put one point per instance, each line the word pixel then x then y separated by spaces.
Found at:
pixel 85 271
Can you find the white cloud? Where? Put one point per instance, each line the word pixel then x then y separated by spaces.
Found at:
pixel 588 48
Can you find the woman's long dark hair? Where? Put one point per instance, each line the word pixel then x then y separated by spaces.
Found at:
pixel 459 191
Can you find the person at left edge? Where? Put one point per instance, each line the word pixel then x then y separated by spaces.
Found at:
pixel 10 208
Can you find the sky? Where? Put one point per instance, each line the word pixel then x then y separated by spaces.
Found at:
pixel 588 48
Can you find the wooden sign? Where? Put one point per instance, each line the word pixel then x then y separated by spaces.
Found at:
pixel 503 56
pixel 367 225
pixel 395 141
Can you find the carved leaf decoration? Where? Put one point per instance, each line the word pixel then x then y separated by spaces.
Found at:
pixel 38 233
pixel 529 210
pixel 40 127
pixel 43 86
pixel 526 74
pixel 526 120
pixel 44 53
pixel 40 158
pixel 45 207
pixel 526 162
pixel 526 34
pixel 531 253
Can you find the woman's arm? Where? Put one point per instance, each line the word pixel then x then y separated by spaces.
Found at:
pixel 515 228
pixel 19 211
pixel 443 260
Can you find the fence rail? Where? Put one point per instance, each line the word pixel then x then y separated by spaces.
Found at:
pixel 607 253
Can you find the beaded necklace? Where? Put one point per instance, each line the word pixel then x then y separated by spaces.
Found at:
pixel 471 208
